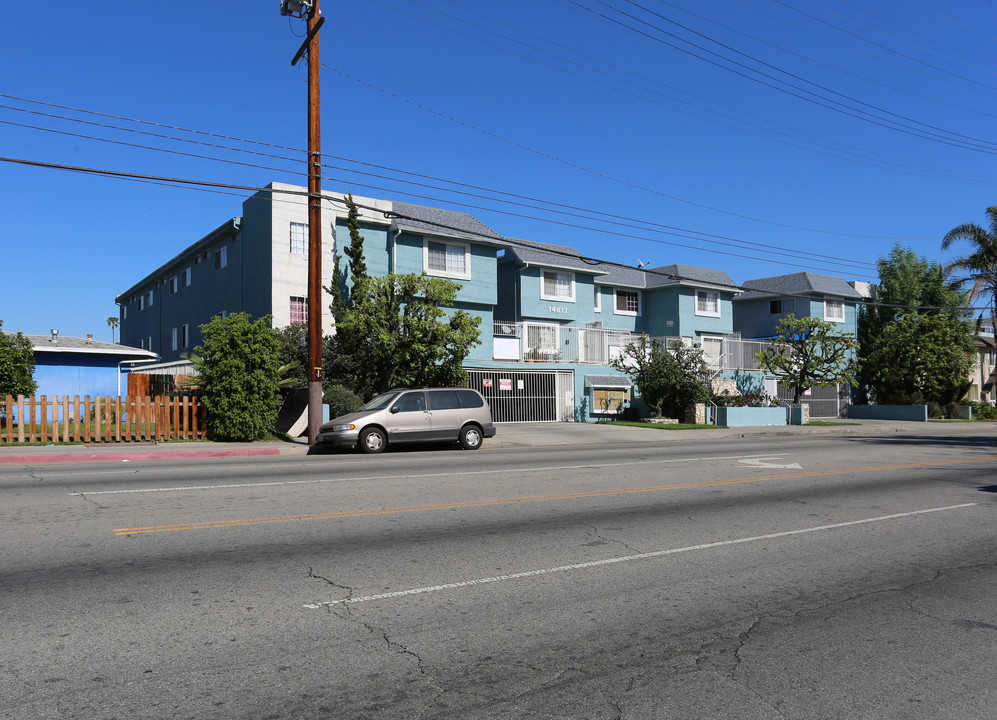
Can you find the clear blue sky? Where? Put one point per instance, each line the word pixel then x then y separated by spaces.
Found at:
pixel 786 130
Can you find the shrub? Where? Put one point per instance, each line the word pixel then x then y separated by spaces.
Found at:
pixel 341 400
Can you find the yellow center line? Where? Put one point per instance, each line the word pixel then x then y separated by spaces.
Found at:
pixel 214 524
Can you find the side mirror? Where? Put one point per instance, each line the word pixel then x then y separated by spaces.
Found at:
pixel 394 409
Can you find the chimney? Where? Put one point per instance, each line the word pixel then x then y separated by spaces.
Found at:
pixel 55 336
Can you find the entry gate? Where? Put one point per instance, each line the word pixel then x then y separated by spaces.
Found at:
pixel 829 402
pixel 526 396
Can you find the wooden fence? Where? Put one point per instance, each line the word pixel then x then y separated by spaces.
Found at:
pixel 133 418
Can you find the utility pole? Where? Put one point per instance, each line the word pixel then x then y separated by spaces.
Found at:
pixel 310 9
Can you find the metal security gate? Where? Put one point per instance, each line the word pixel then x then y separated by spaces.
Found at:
pixel 829 402
pixel 526 396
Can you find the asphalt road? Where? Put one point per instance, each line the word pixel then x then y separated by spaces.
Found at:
pixel 813 577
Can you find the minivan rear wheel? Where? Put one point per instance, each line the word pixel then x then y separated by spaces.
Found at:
pixel 470 437
pixel 373 440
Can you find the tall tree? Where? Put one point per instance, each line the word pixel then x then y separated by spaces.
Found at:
pixel 916 342
pixel 979 267
pixel 808 352
pixel 17 364
pixel 669 376
pixel 112 322
pixel 396 330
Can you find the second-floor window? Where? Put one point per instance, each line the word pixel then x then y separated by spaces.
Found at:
pixel 834 310
pixel 221 258
pixel 299 311
pixel 627 302
pixel 447 259
pixel 708 303
pixel 598 300
pixel 299 239
pixel 557 286
pixel 776 307
pixel 173 285
pixel 185 335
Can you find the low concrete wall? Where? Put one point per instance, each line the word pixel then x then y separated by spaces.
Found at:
pixel 751 416
pixel 912 413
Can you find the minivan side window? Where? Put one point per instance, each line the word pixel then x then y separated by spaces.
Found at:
pixel 470 399
pixel 444 400
pixel 411 402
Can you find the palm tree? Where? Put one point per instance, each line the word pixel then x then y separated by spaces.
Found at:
pixel 112 322
pixel 980 265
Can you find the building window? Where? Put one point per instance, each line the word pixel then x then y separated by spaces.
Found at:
pixel 609 401
pixel 598 299
pixel 148 299
pixel 148 343
pixel 299 239
pixel 834 310
pixel 447 259
pixel 124 312
pixel 299 311
pixel 557 286
pixel 173 339
pixel 221 258
pixel 185 277
pixel 173 285
pixel 542 342
pixel 708 303
pixel 141 303
pixel 185 335
pixel 776 307
pixel 627 302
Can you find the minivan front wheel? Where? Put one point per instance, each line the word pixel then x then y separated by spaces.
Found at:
pixel 470 437
pixel 373 440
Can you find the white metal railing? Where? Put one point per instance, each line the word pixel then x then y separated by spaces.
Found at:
pixel 549 342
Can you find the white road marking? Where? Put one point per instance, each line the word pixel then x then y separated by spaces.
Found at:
pixel 760 463
pixel 628 558
pixel 316 481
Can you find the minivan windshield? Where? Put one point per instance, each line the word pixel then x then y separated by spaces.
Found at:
pixel 380 402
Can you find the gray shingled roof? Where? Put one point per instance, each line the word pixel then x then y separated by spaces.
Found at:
pixel 802 283
pixel 43 343
pixel 442 222
pixel 545 254
pixel 668 275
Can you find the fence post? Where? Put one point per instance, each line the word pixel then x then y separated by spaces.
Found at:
pixel 20 418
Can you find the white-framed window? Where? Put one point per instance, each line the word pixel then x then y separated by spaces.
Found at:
pixel 708 303
pixel 834 310
pixel 185 335
pixel 173 338
pixel 221 258
pixel 124 312
pixel 556 285
pixel 299 310
pixel 148 343
pixel 609 401
pixel 173 285
pixel 148 299
pixel 597 307
pixel 185 277
pixel 299 239
pixel 141 303
pixel 447 259
pixel 626 302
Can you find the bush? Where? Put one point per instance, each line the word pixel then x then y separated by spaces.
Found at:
pixel 983 411
pixel 341 400
pixel 240 369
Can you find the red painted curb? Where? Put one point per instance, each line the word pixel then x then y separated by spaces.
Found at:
pixel 150 455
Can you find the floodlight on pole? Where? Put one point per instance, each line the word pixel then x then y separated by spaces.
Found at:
pixel 296 8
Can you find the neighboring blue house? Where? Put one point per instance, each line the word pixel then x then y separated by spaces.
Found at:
pixel 82 366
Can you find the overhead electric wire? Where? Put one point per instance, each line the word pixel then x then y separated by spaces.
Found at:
pixel 512 242
pixel 559 208
pixel 749 73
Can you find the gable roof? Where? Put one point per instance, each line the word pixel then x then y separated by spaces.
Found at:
pixel 437 221
pixel 686 275
pixel 528 252
pixel 802 283
pixel 66 344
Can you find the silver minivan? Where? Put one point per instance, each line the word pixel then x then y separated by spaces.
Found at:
pixel 450 414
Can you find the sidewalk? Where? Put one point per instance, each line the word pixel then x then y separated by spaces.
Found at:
pixel 509 435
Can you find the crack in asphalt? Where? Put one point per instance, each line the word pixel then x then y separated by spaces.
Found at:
pixel 594 531
pixel 91 500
